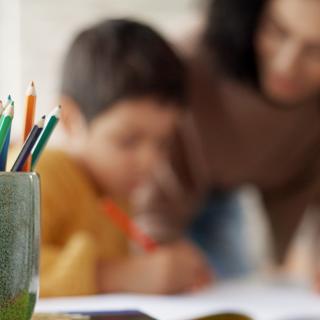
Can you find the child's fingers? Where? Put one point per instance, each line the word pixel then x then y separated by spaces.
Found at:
pixel 201 284
pixel 200 277
pixel 203 279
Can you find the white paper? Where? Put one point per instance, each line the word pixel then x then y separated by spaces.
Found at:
pixel 258 300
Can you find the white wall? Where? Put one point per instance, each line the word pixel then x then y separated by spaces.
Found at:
pixel 10 53
pixel 48 26
pixel 34 35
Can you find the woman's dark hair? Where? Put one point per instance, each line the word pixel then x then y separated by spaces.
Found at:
pixel 229 36
pixel 119 59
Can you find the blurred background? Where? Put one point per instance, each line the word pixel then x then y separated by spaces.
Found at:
pixel 34 35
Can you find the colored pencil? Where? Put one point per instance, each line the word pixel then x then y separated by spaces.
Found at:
pixel 5 149
pixel 9 100
pixel 128 227
pixel 45 136
pixel 5 124
pixel 30 109
pixel 3 107
pixel 28 145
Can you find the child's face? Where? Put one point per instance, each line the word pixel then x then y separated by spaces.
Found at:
pixel 121 147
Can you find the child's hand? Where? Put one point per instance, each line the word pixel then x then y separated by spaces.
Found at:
pixel 180 267
pixel 175 268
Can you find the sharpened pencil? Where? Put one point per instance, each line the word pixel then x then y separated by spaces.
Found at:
pixel 5 124
pixel 28 145
pixel 30 110
pixel 45 136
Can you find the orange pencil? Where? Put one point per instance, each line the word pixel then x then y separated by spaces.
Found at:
pixel 128 227
pixel 30 110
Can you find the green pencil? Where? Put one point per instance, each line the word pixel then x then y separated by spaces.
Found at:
pixel 5 149
pixel 3 107
pixel 9 100
pixel 5 124
pixel 45 135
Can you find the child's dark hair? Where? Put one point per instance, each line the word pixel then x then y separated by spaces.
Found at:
pixel 119 59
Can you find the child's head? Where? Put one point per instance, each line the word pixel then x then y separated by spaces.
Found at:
pixel 122 92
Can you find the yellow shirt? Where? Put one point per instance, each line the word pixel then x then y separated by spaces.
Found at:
pixel 75 231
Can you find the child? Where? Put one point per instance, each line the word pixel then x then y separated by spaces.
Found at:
pixel 122 93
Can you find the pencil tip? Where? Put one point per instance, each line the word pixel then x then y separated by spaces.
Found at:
pixel 9 109
pixel 57 112
pixel 9 97
pixel 31 91
pixel 41 122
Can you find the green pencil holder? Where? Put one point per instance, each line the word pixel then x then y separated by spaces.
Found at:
pixel 19 244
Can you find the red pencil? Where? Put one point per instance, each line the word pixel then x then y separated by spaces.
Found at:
pixel 128 227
